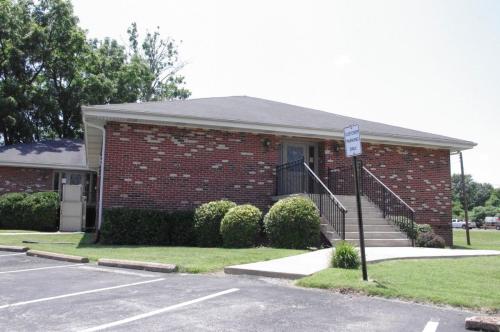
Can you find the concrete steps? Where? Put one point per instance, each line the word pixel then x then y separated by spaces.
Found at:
pixel 377 230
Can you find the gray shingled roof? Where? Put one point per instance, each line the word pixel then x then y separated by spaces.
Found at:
pixel 242 109
pixel 60 153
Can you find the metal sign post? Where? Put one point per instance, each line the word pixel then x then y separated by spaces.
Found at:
pixel 352 142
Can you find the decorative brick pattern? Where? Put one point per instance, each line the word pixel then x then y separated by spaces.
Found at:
pixel 178 168
pixel 16 179
pixel 164 167
pixel 420 176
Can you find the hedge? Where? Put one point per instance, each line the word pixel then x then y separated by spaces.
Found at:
pixel 240 226
pixel 147 227
pixel 207 219
pixel 293 223
pixel 38 211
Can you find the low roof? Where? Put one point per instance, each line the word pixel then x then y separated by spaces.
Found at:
pixel 266 116
pixel 54 154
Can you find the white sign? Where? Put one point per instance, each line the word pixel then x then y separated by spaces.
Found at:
pixel 352 141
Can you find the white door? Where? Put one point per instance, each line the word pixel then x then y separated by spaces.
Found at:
pixel 72 207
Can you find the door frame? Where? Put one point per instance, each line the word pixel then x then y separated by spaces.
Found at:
pixel 305 145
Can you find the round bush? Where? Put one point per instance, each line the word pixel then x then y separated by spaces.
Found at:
pixel 293 223
pixel 207 219
pixel 345 256
pixel 430 240
pixel 240 226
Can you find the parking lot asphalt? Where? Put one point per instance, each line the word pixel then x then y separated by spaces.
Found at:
pixel 38 294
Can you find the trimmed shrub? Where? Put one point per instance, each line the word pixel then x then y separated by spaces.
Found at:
pixel 240 226
pixel 207 219
pixel 40 211
pixel 294 223
pixel 345 256
pixel 423 228
pixel 11 210
pixel 147 227
pixel 429 240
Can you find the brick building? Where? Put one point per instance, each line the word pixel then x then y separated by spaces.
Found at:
pixel 179 154
pixel 46 166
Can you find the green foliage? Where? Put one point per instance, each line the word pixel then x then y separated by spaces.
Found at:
pixel 293 223
pixel 207 221
pixel 147 227
pixel 405 225
pixel 423 228
pixel 38 211
pixel 345 256
pixel 480 212
pixel 11 211
pixel 494 199
pixel 429 240
pixel 48 69
pixel 240 226
pixel 477 193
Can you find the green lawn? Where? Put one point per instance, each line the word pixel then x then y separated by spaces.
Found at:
pixel 479 238
pixel 188 259
pixel 465 282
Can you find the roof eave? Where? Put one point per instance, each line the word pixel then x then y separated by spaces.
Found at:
pixel 44 166
pixel 151 118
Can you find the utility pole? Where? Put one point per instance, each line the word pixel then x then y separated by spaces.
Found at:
pixel 464 199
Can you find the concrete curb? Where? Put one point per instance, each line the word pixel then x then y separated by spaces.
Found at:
pixel 14 248
pixel 483 323
pixel 59 257
pixel 263 273
pixel 136 265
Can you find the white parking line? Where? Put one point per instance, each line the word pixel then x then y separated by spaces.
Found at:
pixel 159 311
pixel 41 268
pixel 78 293
pixel 431 326
pixel 17 254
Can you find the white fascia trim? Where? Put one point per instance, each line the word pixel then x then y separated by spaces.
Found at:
pixel 141 117
pixel 49 166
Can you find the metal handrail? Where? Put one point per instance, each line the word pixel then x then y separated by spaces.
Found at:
pixel 297 177
pixel 387 188
pixel 325 187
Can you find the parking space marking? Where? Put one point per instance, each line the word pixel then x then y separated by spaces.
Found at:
pixel 431 326
pixel 79 293
pixel 85 267
pixel 17 254
pixel 159 311
pixel 41 268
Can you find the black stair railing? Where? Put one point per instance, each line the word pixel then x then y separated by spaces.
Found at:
pixel 393 207
pixel 296 177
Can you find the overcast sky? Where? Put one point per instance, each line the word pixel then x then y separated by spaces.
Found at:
pixel 427 65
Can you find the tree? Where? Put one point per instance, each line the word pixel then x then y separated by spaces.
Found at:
pixel 161 57
pixel 477 193
pixel 48 70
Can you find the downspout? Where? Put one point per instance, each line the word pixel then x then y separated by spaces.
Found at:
pixel 101 178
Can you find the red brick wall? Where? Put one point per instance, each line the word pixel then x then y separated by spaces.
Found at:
pixel 16 179
pixel 174 168
pixel 178 168
pixel 420 176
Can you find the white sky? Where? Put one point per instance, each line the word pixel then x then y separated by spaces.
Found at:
pixel 427 65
